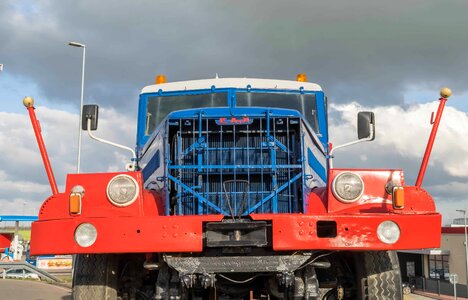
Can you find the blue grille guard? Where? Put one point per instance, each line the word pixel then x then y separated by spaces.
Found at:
pixel 235 169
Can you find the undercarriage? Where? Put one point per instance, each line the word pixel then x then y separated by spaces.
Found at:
pixel 300 275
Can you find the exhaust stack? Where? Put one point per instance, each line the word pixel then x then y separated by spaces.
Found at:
pixel 29 104
pixel 445 93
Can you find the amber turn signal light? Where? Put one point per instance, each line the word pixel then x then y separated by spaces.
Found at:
pixel 302 77
pixel 398 197
pixel 75 203
pixel 160 79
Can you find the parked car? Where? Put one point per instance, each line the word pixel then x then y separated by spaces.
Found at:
pixel 20 274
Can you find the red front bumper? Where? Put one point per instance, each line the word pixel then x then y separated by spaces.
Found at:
pixel 185 233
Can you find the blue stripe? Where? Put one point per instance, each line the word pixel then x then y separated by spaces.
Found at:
pixel 316 165
pixel 322 118
pixel 18 218
pixel 151 166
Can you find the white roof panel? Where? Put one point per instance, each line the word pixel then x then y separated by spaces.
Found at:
pixel 241 83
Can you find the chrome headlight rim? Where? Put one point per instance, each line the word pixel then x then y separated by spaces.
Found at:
pixel 384 237
pixel 338 196
pixel 133 199
pixel 80 232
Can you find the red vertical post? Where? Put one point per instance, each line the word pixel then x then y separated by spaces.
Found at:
pixel 444 93
pixel 29 103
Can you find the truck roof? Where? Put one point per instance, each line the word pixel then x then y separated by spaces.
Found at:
pixel 241 83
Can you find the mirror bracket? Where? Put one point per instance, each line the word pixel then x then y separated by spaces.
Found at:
pixel 89 122
pixel 366 133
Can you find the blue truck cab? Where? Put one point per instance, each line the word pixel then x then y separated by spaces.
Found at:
pixel 233 146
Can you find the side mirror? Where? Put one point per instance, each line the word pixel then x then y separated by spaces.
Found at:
pixel 90 112
pixel 366 125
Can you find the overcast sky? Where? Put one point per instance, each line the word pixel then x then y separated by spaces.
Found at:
pixel 390 57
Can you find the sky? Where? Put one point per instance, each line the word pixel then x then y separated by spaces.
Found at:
pixel 389 57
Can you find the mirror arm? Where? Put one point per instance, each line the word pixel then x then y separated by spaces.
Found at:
pixel 110 143
pixel 330 154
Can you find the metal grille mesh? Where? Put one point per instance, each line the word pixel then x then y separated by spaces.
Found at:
pixel 237 169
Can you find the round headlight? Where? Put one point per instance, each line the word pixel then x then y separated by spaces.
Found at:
pixel 85 234
pixel 348 187
pixel 122 190
pixel 388 232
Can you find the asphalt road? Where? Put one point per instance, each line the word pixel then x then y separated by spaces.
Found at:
pixel 415 297
pixel 36 290
pixel 32 290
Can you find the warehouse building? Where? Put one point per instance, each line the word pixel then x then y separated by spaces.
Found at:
pixel 430 268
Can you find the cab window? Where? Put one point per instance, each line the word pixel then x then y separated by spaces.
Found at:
pixel 304 103
pixel 158 107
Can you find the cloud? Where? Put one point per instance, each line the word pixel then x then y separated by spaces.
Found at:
pixel 9 187
pixel 382 55
pixel 363 50
pixel 404 131
pixel 401 138
pixel 22 174
pixel 454 191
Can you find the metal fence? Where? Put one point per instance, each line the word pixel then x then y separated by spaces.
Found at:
pixel 437 286
pixel 26 267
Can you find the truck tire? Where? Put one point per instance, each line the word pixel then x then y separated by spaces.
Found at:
pixel 95 277
pixel 379 273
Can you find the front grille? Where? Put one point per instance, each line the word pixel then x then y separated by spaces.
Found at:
pixel 234 170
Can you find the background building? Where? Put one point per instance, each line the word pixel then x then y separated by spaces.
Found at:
pixel 435 265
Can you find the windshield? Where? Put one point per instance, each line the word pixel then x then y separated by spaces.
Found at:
pixel 304 103
pixel 160 106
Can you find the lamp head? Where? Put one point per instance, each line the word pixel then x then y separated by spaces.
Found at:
pixel 75 44
pixel 28 101
pixel 445 92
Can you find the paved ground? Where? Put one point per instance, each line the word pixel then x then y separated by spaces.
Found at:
pixel 32 290
pixel 438 297
pixel 415 297
pixel 36 290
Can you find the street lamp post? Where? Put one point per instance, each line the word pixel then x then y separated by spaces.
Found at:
pixel 466 246
pixel 75 44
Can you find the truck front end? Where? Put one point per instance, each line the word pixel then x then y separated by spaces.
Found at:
pixel 233 196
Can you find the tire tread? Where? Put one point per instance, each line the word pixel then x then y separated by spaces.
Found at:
pixel 383 275
pixel 95 277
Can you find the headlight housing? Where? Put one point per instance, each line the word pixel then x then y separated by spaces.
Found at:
pixel 122 190
pixel 85 234
pixel 348 187
pixel 388 232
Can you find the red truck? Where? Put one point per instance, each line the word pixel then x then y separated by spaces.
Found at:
pixel 232 194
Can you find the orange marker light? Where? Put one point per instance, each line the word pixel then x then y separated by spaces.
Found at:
pixel 160 79
pixel 302 77
pixel 75 203
pixel 398 197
